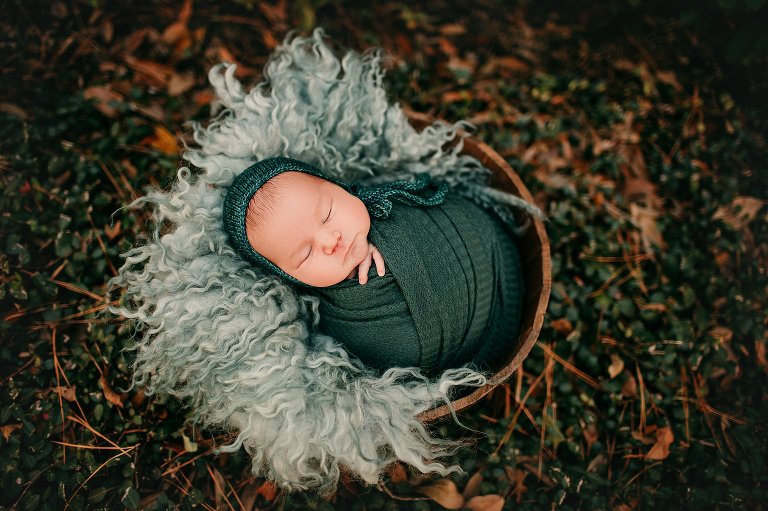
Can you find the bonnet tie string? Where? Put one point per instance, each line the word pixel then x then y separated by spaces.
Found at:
pixel 378 198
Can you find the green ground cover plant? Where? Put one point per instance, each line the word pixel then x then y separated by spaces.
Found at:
pixel 647 387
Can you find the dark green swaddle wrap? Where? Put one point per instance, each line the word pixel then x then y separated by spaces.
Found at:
pixel 452 291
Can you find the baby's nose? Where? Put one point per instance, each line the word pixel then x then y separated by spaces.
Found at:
pixel 331 240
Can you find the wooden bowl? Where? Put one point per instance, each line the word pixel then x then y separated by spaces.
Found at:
pixel 537 268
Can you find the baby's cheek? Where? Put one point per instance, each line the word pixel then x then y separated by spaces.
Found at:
pixel 359 251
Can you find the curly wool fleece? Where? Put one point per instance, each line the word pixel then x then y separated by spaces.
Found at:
pixel 242 348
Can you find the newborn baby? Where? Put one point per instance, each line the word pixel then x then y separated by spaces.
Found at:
pixel 451 291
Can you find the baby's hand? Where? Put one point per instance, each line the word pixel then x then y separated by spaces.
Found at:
pixel 373 256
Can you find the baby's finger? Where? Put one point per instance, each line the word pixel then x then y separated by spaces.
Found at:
pixel 363 269
pixel 379 262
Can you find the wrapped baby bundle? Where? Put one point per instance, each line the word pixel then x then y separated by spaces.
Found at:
pixel 242 347
pixel 453 288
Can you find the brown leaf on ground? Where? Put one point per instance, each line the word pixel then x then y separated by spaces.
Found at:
pixel 473 485
pixel 14 110
pixel 111 396
pixel 629 387
pixel 162 140
pixel 180 83
pixel 641 190
pixel 562 326
pixel 453 96
pixel 634 162
pixel 444 492
pixel 660 449
pixel 397 473
pixel 760 353
pixel 274 13
pixel 655 307
pixel 67 393
pixel 7 430
pixel 202 98
pixel 175 31
pixel 226 56
pixel 153 111
pixel 645 219
pixel 554 180
pixel 138 398
pixel 508 63
pixel 267 490
pixel 149 72
pixel 485 503
pixel 132 42
pixel 616 367
pixel 639 436
pixel 452 29
pixel 447 47
pixel 590 435
pixel 105 98
pixel 597 463
pixel 670 79
pixel 740 212
pixel 112 231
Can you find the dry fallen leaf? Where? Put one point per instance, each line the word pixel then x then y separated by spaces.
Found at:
pixel 444 492
pixel 180 83
pixel 740 212
pixel 629 387
pixel 7 430
pixel 14 110
pixel 616 367
pixel 562 326
pixel 655 307
pixel 485 503
pixel 149 72
pixel 112 396
pixel 660 449
pixel 669 78
pixel 267 490
pixel 162 140
pixel 473 485
pixel 105 97
pixel 760 353
pixel 597 463
pixel 112 231
pixel 397 473
pixel 645 220
pixel 67 393
pixel 507 63
pixel 590 435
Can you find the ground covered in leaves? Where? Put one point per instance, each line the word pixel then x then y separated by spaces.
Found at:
pixel 642 141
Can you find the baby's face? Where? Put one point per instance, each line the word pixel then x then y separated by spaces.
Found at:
pixel 315 231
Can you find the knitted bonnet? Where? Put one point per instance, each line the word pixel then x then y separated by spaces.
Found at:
pixel 377 200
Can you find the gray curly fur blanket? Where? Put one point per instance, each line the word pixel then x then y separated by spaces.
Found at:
pixel 241 348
